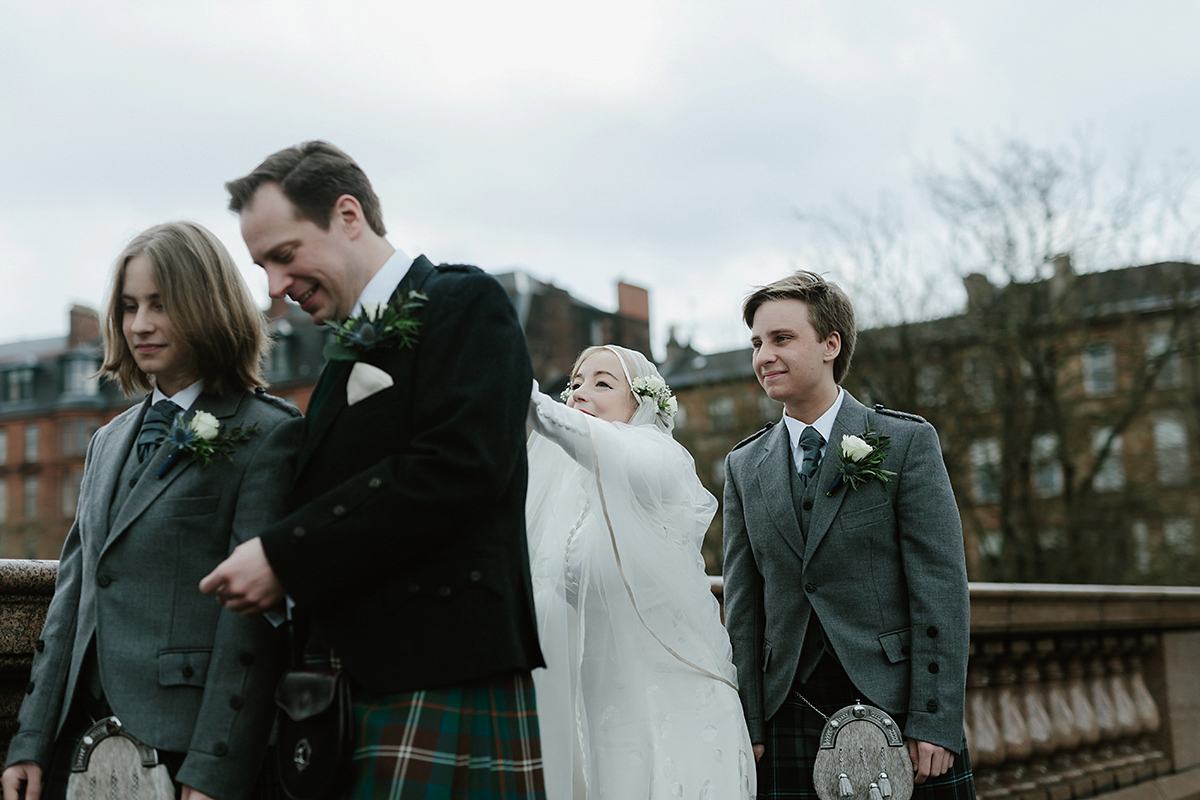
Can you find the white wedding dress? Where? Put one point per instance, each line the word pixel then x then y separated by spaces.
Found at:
pixel 639 696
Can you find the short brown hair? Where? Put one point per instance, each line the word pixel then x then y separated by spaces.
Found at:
pixel 207 301
pixel 829 310
pixel 312 175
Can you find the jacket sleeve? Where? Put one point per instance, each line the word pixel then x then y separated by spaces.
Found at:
pixel 934 564
pixel 471 395
pixel 42 707
pixel 237 710
pixel 743 606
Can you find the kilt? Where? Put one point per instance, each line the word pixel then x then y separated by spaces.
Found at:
pixel 785 771
pixel 469 742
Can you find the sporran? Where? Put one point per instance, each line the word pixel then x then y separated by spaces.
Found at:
pixel 862 756
pixel 109 761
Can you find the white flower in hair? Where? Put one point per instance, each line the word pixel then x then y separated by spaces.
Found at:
pixel 655 389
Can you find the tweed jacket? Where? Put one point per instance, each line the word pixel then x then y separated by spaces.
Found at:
pixel 405 537
pixel 881 565
pixel 183 674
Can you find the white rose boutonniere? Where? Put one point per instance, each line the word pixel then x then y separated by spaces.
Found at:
pixel 203 440
pixel 205 426
pixel 861 458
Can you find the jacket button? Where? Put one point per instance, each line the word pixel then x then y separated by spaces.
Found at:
pixel 444 591
pixel 246 659
pixel 220 749
pixel 104 581
pixel 810 587
pixel 188 671
pixel 933 667
pixel 475 576
pixel 808 505
pixel 931 631
pixel 375 483
pixel 339 510
pixel 931 706
pixel 298 532
pixel 132 482
pixel 235 702
pixel 40 645
pixel 29 688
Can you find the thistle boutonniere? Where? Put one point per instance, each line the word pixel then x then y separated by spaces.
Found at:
pixel 379 326
pixel 861 458
pixel 203 440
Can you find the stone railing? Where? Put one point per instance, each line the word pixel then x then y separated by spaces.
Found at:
pixel 1077 691
pixel 1072 691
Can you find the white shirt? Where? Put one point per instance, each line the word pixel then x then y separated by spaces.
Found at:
pixel 183 398
pixel 823 424
pixel 379 289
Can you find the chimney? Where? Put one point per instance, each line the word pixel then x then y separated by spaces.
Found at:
pixel 1063 277
pixel 674 348
pixel 84 326
pixel 633 302
pixel 980 291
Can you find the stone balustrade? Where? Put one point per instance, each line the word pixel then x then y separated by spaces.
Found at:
pixel 1072 691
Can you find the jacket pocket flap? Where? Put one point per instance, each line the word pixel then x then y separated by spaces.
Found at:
pixel 191 506
pixel 866 516
pixel 896 644
pixel 304 694
pixel 183 667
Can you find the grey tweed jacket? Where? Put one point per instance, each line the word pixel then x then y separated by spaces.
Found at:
pixel 183 674
pixel 882 566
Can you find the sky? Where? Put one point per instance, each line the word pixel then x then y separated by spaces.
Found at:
pixel 668 144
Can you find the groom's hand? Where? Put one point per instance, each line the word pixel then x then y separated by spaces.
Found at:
pixel 759 749
pixel 929 760
pixel 245 582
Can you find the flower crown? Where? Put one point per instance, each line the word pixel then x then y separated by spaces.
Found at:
pixel 652 388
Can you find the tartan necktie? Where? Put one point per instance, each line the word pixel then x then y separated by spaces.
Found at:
pixel 811 442
pixel 155 426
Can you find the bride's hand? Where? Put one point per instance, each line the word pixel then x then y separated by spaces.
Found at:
pixel 759 749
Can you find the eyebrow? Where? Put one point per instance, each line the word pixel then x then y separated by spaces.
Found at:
pixel 598 372
pixel 774 332
pixel 274 251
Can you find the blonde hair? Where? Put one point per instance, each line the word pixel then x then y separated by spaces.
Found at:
pixel 208 303
pixel 829 310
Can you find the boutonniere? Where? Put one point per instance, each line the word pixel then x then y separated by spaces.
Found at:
pixel 861 458
pixel 203 440
pixel 379 326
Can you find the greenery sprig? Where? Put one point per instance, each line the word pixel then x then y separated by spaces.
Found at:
pixel 379 326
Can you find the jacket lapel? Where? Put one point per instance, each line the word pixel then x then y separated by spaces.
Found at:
pixel 149 486
pixel 339 372
pixel 851 421
pixel 119 441
pixel 771 470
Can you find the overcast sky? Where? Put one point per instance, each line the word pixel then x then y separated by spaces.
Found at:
pixel 664 143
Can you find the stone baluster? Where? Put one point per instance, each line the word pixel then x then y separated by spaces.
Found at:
pixel 1129 724
pixel 1067 733
pixel 1032 697
pixel 1106 715
pixel 1085 718
pixel 987 747
pixel 1155 762
pixel 1014 730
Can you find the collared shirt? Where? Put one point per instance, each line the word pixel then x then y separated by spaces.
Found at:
pixel 379 289
pixel 824 426
pixel 183 398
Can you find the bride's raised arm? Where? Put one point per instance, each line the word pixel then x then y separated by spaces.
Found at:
pixel 565 427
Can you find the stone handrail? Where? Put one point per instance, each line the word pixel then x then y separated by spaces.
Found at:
pixel 1072 691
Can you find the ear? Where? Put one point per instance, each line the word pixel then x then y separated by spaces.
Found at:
pixel 348 216
pixel 833 346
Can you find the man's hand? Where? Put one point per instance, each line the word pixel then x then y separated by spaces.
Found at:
pixel 929 760
pixel 244 582
pixel 759 749
pixel 24 772
pixel 188 793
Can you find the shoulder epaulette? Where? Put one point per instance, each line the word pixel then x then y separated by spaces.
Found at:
pixel 753 436
pixel 455 267
pixel 879 409
pixel 261 394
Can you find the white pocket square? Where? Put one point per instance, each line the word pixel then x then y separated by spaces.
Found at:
pixel 365 380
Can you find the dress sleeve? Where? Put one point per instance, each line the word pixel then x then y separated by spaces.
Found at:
pixel 563 426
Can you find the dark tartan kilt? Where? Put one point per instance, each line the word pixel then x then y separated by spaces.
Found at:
pixel 474 741
pixel 785 771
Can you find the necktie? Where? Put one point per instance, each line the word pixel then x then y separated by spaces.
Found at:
pixel 810 445
pixel 155 425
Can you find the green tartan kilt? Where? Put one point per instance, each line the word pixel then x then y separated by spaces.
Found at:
pixel 467 742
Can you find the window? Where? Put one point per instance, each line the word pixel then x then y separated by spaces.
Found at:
pixel 1160 345
pixel 985 470
pixel 1179 536
pixel 720 413
pixel 991 543
pixel 929 386
pixel 1142 557
pixel 20 385
pixel 718 472
pixel 1047 468
pixel 3 447
pixel 70 491
pixel 1111 475
pixel 76 376
pixel 3 502
pixel 1171 451
pixel 31 443
pixel 1050 538
pixel 979 382
pixel 276 367
pixel 74 434
pixel 596 331
pixel 1099 369
pixel 680 417
pixel 31 498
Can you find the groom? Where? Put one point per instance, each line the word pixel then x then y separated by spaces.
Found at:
pixel 404 541
pixel 836 592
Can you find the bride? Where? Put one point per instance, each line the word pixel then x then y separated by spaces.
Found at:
pixel 639 698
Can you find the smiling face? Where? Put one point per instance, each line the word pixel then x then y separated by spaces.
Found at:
pixel 794 366
pixel 314 267
pixel 599 388
pixel 149 333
